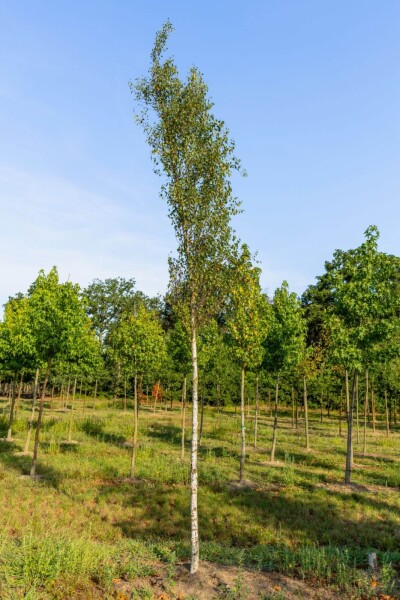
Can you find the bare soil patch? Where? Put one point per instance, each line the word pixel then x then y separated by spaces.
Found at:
pixel 217 582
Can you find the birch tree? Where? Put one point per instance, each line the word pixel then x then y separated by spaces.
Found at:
pixel 191 148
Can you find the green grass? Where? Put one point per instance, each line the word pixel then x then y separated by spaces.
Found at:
pixel 84 523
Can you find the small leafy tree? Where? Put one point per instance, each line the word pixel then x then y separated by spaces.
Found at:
pixel 193 150
pixel 247 323
pixel 59 327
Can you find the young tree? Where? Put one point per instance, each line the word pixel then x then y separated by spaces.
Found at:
pixel 17 349
pixel 247 322
pixel 139 340
pixel 193 150
pixel 285 342
pixel 59 326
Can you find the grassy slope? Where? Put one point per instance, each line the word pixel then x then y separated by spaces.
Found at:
pixel 83 524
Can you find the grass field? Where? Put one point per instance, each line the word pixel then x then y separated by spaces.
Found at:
pixel 83 526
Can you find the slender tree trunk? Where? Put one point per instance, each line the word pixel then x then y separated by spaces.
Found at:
pixel 348 413
pixel 201 415
pixel 373 409
pixel 194 520
pixel 135 426
pixel 394 411
pixel 30 424
pixel 243 427
pixel 357 416
pixel 71 412
pixel 19 393
pixel 183 418
pixel 296 411
pixel 340 412
pixel 320 406
pixel 125 395
pixel 306 413
pixel 387 414
pixel 269 403
pixel 293 410
pixel 12 406
pixel 275 430
pixel 94 395
pixel 39 421
pixel 256 415
pixel 349 454
pixel 67 395
pixel 84 399
pixel 365 412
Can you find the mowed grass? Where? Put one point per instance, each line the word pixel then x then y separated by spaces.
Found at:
pixel 83 523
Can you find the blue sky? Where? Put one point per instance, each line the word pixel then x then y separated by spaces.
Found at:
pixel 308 89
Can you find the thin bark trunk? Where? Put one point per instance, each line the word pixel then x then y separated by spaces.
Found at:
pixel 201 415
pixel 30 425
pixel 306 414
pixel 135 426
pixel 275 430
pixel 340 412
pixel 243 427
pixel 71 412
pixel 124 395
pixel 365 413
pixel 39 421
pixel 256 415
pixel 348 414
pixel 183 419
pixel 357 417
pixel 194 520
pixel 297 411
pixel 387 414
pixel 349 453
pixel 94 395
pixel 12 405
pixel 373 409
pixel 293 410
pixel 19 393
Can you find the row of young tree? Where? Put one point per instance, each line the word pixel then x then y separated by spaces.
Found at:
pixel 215 321
pixel 113 340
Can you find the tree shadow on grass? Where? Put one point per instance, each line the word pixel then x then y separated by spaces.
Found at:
pixel 21 464
pixel 245 517
pixel 165 433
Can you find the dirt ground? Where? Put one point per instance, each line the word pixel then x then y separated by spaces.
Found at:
pixel 217 582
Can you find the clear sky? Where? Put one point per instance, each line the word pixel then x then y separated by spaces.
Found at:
pixel 308 88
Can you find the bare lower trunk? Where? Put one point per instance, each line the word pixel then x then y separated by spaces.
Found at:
pixel 12 405
pixel 387 414
pixel 19 393
pixel 349 454
pixel 39 421
pixel 256 415
pixel 340 412
pixel 275 430
pixel 135 426
pixel 306 414
pixel 124 395
pixel 348 414
pixel 30 425
pixel 365 413
pixel 243 427
pixel 293 409
pixel 201 415
pixel 94 395
pixel 373 409
pixel 183 419
pixel 71 412
pixel 357 418
pixel 194 519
